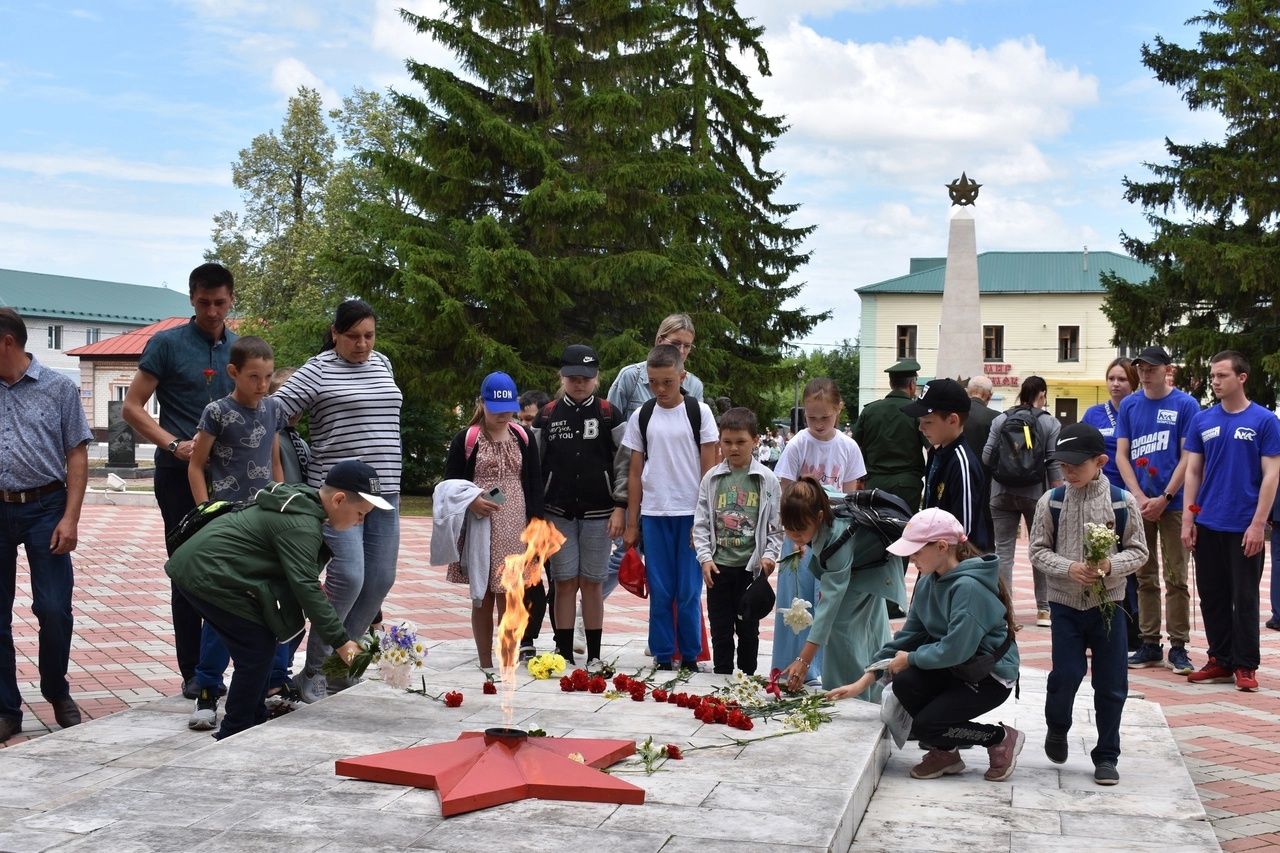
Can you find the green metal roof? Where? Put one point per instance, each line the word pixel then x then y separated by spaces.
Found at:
pixel 34 294
pixel 1022 272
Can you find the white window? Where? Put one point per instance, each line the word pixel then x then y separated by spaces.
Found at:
pixel 55 337
pixel 92 336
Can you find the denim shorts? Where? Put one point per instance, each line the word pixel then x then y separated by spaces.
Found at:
pixel 585 552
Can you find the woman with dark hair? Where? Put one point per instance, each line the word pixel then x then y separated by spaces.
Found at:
pixel 1012 503
pixel 350 394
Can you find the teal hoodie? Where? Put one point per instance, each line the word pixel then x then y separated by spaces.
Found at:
pixel 953 617
pixel 263 563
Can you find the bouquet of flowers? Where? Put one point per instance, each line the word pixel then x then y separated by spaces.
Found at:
pixel 395 649
pixel 545 665
pixel 1099 543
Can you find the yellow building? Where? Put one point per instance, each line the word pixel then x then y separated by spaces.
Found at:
pixel 1041 315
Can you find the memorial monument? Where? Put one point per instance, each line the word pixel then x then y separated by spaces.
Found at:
pixel 960 326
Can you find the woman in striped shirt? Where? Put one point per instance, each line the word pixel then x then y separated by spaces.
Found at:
pixel 351 397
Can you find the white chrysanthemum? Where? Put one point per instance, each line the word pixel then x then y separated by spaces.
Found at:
pixel 797 617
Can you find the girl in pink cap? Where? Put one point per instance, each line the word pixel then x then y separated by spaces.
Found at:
pixel 955 657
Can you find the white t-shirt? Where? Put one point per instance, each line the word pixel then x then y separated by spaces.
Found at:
pixel 833 462
pixel 674 467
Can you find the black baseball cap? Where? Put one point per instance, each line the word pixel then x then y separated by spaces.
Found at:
pixel 579 360
pixel 1079 443
pixel 353 475
pixel 1154 355
pixel 940 395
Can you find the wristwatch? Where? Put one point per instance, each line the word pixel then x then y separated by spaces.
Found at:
pixel 172 446
pixel 1168 497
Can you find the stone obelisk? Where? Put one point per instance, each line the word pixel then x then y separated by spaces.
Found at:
pixel 960 327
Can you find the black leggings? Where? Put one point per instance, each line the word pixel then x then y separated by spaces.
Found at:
pixel 942 707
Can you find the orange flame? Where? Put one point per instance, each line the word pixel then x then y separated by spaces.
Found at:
pixel 521 570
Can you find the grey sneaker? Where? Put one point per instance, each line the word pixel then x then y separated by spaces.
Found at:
pixel 205 716
pixel 312 686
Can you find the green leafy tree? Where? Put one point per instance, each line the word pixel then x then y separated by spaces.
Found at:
pixel 572 187
pixel 1213 208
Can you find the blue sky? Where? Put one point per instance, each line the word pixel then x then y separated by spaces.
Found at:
pixel 121 120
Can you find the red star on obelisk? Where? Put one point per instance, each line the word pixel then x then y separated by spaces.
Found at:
pixel 483 769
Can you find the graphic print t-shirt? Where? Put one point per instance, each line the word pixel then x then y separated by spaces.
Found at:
pixel 737 507
pixel 832 463
pixel 1156 430
pixel 240 462
pixel 1233 446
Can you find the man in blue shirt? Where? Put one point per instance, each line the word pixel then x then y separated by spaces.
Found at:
pixel 1233 466
pixel 44 466
pixel 186 369
pixel 1151 427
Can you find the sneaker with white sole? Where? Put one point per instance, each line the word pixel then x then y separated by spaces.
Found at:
pixel 1004 755
pixel 937 763
pixel 205 716
pixel 1042 619
pixel 312 686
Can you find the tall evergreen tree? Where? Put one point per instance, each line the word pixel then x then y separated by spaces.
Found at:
pixel 1214 208
pixel 571 189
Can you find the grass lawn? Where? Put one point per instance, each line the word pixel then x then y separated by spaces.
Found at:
pixel 415 505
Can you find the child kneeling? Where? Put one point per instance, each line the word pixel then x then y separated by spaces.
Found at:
pixel 960 611
pixel 1083 595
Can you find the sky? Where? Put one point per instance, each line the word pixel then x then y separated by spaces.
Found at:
pixel 119 122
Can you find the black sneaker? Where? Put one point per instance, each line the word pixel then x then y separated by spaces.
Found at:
pixel 1055 747
pixel 1274 623
pixel 190 690
pixel 527 653
pixel 1105 773
pixel 665 666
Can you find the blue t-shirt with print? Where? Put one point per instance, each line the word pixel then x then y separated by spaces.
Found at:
pixel 1156 430
pixel 1233 446
pixel 240 462
pixel 1106 418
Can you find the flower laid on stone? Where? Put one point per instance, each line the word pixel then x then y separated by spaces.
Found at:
pixel 453 699
pixel 490 688
pixel 1099 543
pixel 797 617
pixel 674 753
pixel 396 650
pixel 597 684
pixel 545 665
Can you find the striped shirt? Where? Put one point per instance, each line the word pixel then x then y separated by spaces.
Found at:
pixel 354 410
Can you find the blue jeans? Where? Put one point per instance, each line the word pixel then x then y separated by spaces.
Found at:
pixel 359 576
pixel 1074 632
pixel 31 526
pixel 214 659
pixel 253 648
pixel 675 579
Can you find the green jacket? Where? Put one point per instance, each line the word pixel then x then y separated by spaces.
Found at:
pixel 263 564
pixel 953 616
pixel 890 441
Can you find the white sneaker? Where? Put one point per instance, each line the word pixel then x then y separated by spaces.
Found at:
pixel 595 665
pixel 205 716
pixel 579 638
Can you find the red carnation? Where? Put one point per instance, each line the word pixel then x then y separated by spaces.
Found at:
pixel 1152 470
pixel 490 688
pixel 581 680
pixel 673 698
pixel 566 684
pixel 747 725
pixel 673 752
pixel 637 695
pixel 596 684
pixel 721 714
pixel 659 695
pixel 1142 462
pixel 682 700
pixel 452 699
pixel 621 681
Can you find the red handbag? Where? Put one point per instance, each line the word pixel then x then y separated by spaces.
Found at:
pixel 631 574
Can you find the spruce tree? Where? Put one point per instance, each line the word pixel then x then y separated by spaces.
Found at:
pixel 1213 208
pixel 575 185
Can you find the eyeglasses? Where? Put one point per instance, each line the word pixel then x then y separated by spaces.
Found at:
pixel 683 347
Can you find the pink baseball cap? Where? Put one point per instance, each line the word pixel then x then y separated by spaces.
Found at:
pixel 928 525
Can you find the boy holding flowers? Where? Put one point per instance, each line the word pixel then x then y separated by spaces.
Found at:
pixel 1087 537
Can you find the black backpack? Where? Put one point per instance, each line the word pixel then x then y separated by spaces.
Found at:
pixel 882 513
pixel 199 516
pixel 692 410
pixel 1020 455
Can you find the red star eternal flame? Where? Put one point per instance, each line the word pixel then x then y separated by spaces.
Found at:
pixel 500 765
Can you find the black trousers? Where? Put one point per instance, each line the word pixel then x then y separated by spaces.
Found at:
pixel 538 602
pixel 942 707
pixel 173 494
pixel 1228 584
pixel 722 613
pixel 253 648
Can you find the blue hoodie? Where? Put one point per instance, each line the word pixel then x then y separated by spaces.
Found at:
pixel 955 615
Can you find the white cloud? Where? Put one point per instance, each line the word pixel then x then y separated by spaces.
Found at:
pixel 101 165
pixel 85 14
pixel 103 223
pixel 395 38
pixel 288 74
pixel 773 13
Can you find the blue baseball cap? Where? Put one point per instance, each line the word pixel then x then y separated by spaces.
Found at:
pixel 498 393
